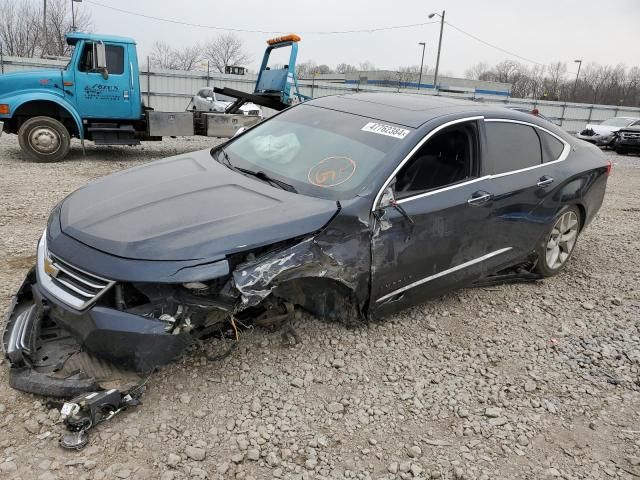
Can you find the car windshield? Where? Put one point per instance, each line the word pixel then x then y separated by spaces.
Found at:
pixel 320 152
pixel 617 122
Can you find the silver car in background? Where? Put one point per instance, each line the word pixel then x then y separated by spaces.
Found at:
pixel 603 134
pixel 206 100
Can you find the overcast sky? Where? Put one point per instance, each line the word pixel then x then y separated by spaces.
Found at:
pixel 607 32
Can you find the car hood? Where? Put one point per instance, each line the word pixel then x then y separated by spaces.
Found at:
pixel 603 129
pixel 188 207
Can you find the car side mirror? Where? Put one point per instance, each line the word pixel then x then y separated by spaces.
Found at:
pixel 100 59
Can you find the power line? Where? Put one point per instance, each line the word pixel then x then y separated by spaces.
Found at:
pixel 494 46
pixel 499 48
pixel 314 32
pixel 244 30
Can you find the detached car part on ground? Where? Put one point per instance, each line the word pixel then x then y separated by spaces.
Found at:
pixel 603 134
pixel 350 207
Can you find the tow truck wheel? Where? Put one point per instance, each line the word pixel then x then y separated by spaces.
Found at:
pixel 44 139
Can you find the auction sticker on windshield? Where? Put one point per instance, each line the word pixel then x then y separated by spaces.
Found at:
pixel 388 130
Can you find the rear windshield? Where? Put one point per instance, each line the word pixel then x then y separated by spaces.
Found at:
pixel 321 152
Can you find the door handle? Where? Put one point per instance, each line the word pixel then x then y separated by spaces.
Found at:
pixel 479 198
pixel 544 181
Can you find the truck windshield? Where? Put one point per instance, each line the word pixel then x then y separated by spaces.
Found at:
pixel 320 152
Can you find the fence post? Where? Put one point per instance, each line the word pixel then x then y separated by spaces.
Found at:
pixel 208 73
pixel 564 109
pixel 590 114
pixel 148 82
pixel 1 61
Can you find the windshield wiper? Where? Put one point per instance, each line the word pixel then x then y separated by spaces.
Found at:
pixel 225 158
pixel 264 176
pixel 259 174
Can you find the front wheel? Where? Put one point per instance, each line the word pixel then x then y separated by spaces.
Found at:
pixel 559 243
pixel 44 139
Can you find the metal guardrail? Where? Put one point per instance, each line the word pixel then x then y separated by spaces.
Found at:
pixel 171 90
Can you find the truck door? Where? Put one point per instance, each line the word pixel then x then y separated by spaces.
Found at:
pixel 104 95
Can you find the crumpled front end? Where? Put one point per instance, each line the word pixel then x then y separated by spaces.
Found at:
pixel 70 331
pixel 48 356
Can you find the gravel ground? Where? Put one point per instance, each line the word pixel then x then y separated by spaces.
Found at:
pixel 518 381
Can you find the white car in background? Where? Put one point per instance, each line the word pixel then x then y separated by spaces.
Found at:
pixel 603 134
pixel 206 100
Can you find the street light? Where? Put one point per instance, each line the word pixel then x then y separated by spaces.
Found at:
pixel 579 62
pixel 421 63
pixel 435 77
pixel 73 15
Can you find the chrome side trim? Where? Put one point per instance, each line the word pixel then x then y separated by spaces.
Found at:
pixel 442 274
pixel 563 156
pixel 415 149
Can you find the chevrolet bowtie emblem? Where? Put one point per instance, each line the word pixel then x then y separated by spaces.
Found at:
pixel 50 269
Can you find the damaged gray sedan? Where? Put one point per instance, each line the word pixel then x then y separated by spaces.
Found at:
pixel 350 207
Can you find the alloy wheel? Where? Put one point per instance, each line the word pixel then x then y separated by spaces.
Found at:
pixel 562 239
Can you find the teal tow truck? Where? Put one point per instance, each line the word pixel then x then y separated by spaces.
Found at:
pixel 97 98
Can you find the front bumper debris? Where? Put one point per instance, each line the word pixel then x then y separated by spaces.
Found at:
pixel 59 353
pixel 590 136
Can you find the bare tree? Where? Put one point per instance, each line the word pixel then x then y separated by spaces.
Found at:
pixel 59 23
pixel 306 68
pixel 20 28
pixel 225 50
pixel 164 56
pixel 476 71
pixel 366 66
pixel 345 68
pixel 554 80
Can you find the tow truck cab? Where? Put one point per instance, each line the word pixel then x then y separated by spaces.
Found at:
pixel 97 97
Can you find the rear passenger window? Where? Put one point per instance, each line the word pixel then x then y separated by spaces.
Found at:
pixel 551 147
pixel 510 146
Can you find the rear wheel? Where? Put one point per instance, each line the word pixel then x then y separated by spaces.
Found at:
pixel 44 139
pixel 559 243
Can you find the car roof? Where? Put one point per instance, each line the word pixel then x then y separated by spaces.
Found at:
pixel 411 110
pixel 414 110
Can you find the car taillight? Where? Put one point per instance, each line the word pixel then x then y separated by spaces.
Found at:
pixel 609 167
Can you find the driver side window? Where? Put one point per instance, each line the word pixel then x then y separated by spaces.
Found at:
pixel 447 158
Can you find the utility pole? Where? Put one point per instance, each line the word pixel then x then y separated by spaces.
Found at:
pixel 44 29
pixel 435 77
pixel 73 15
pixel 575 84
pixel 421 63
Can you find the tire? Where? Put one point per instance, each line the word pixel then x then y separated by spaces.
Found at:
pixel 44 139
pixel 557 246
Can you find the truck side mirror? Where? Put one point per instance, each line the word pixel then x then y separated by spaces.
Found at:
pixel 100 59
